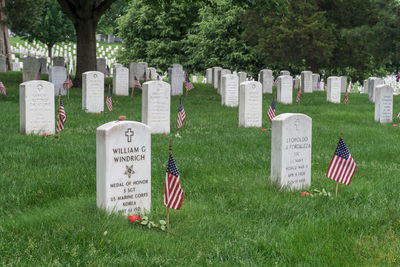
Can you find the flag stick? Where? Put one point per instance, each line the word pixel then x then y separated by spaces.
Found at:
pixel 337 183
pixel 170 151
pixel 186 92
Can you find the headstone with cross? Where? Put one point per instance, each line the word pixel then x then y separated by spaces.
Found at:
pixel 123 167
pixel 291 151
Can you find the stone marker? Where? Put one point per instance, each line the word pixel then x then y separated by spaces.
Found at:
pixel 220 74
pixel 383 103
pixel 156 106
pixel 266 80
pixel 250 104
pixel 57 76
pixel 285 72
pixel 365 87
pixel 315 79
pixel 93 91
pixel 121 81
pixel 343 84
pixel 59 61
pixel 285 89
pixel 296 83
pixel 36 107
pixel 43 64
pixel 117 65
pixel 101 65
pixel 215 76
pixel 151 74
pixel 132 74
pixel 140 69
pixel 373 82
pixel 242 77
pixel 31 69
pixel 176 79
pixel 3 63
pixel 123 167
pixel 306 81
pixel 230 90
pixel 291 151
pixel 209 75
pixel 333 92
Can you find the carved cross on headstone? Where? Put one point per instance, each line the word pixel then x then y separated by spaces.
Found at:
pixel 296 124
pixel 129 133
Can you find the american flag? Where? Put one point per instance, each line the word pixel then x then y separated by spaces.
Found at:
pixel 109 101
pixel 342 165
pixel 271 110
pixel 346 97
pixel 136 83
pixel 3 90
pixel 67 84
pixel 188 85
pixel 61 117
pixel 173 194
pixel 298 95
pixel 39 75
pixel 276 82
pixel 181 114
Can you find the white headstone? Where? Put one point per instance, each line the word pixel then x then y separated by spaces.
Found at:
pixel 31 69
pixel 315 79
pixel 285 89
pixel 230 90
pixel 221 73
pixel 383 103
pixel 15 66
pixel 285 72
pixel 306 81
pixel 93 91
pixel 151 74
pixel 250 104
pixel 209 75
pixel 121 81
pixel 215 76
pixel 343 84
pixel 123 167
pixel 57 76
pixel 333 92
pixel 266 80
pixel 36 107
pixel 176 79
pixel 291 151
pixel 296 83
pixel 373 82
pixel 156 106
pixel 242 77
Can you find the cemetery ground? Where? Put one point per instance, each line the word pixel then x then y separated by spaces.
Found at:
pixel 231 214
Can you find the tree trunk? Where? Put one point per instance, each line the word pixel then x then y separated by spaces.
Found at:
pixel 50 52
pixel 5 48
pixel 86 48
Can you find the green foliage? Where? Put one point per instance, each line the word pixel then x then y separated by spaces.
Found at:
pixel 23 15
pixel 108 21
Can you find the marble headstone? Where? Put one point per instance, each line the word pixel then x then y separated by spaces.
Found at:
pixel 365 87
pixel 209 75
pixel 36 107
pixel 291 151
pixel 383 103
pixel 121 81
pixel 285 89
pixel 176 79
pixel 242 77
pixel 151 74
pixel 123 167
pixel 220 74
pixel 215 76
pixel 31 69
pixel 296 83
pixel 315 79
pixel 306 81
pixel 93 91
pixel 266 80
pixel 43 64
pixel 57 76
pixel 101 65
pixel 373 82
pixel 230 90
pixel 250 104
pixel 58 61
pixel 343 84
pixel 156 106
pixel 285 72
pixel 333 92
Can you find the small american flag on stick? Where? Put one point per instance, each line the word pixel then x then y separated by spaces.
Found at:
pixel 188 84
pixel 61 117
pixel 298 95
pixel 181 114
pixel 3 90
pixel 109 101
pixel 346 97
pixel 342 166
pixel 136 83
pixel 271 110
pixel 173 194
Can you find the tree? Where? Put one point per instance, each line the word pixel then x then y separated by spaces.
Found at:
pixel 108 22
pixel 53 27
pixel 5 49
pixel 85 15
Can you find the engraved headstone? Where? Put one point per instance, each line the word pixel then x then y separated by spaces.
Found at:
pixel 101 65
pixel 230 90
pixel 266 80
pixel 176 79
pixel 250 104
pixel 156 106
pixel 93 91
pixel 315 79
pixel 36 107
pixel 209 75
pixel 333 92
pixel 123 167
pixel 31 69
pixel 285 89
pixel 121 81
pixel 373 82
pixel 306 81
pixel 343 84
pixel 59 61
pixel 383 103
pixel 215 76
pixel 291 151
pixel 285 72
pixel 220 74
pixel 3 63
pixel 57 76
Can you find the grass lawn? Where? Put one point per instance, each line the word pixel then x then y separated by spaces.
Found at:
pixel 230 215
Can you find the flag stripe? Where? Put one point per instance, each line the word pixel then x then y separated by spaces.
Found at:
pixel 342 166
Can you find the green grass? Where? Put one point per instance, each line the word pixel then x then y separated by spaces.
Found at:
pixel 231 214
